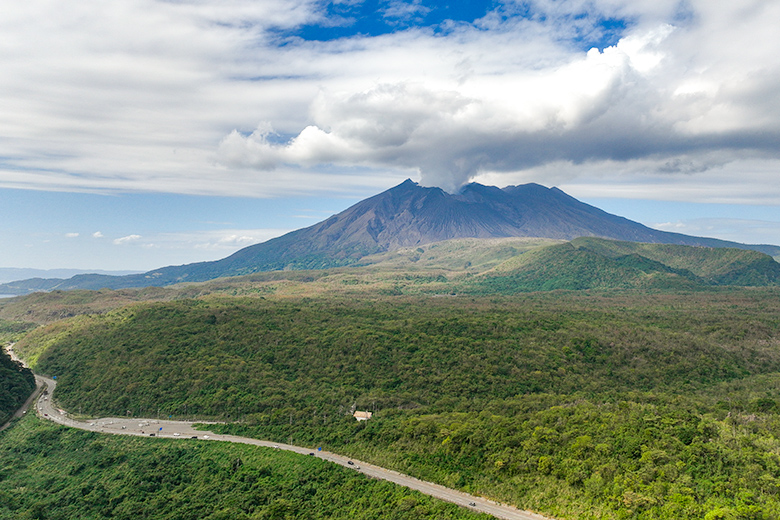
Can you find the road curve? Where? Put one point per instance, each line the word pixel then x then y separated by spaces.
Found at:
pixel 185 430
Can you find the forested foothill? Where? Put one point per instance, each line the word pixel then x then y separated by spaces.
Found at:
pixel 52 472
pixel 578 404
pixel 16 382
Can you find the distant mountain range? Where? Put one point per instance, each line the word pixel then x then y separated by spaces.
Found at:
pixel 404 216
pixel 8 274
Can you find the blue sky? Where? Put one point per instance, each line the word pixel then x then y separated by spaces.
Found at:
pixel 142 133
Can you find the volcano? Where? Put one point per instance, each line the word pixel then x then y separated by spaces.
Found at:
pixel 403 216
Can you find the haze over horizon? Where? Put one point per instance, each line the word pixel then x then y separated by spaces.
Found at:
pixel 144 133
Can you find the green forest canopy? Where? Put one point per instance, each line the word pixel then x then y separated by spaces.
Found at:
pixel 582 405
pixel 57 473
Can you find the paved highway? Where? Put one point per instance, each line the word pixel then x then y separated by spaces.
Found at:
pixel 184 430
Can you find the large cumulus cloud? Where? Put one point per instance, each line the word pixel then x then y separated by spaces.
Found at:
pixel 222 97
pixel 680 95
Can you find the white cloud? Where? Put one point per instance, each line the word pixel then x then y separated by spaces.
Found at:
pixel 749 231
pixel 453 134
pixel 233 241
pixel 404 10
pixel 221 241
pixel 127 239
pixel 621 104
pixel 167 96
pixel 71 235
pixel 676 227
pixel 97 234
pixel 93 94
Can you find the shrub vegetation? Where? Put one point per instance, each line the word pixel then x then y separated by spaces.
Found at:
pixel 579 405
pixel 52 472
pixel 16 382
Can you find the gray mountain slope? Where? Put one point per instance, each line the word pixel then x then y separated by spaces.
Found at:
pixel 404 216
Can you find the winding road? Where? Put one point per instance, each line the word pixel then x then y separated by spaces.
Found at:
pixel 185 431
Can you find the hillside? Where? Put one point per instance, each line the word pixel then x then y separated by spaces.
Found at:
pixel 47 307
pixel 578 403
pixel 59 473
pixel 460 266
pixel 294 347
pixel 718 266
pixel 16 385
pixel 594 263
pixel 626 404
pixel 8 274
pixel 407 215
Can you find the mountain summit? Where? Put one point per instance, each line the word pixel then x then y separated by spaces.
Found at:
pixel 404 216
pixel 410 215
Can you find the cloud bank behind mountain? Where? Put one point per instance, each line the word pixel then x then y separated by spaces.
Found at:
pixel 270 98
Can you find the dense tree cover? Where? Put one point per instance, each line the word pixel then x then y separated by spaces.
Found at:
pixel 52 472
pixel 12 330
pixel 223 356
pixel 47 307
pixel 648 456
pixel 596 263
pixel 462 266
pixel 582 405
pixel 16 385
pixel 718 266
